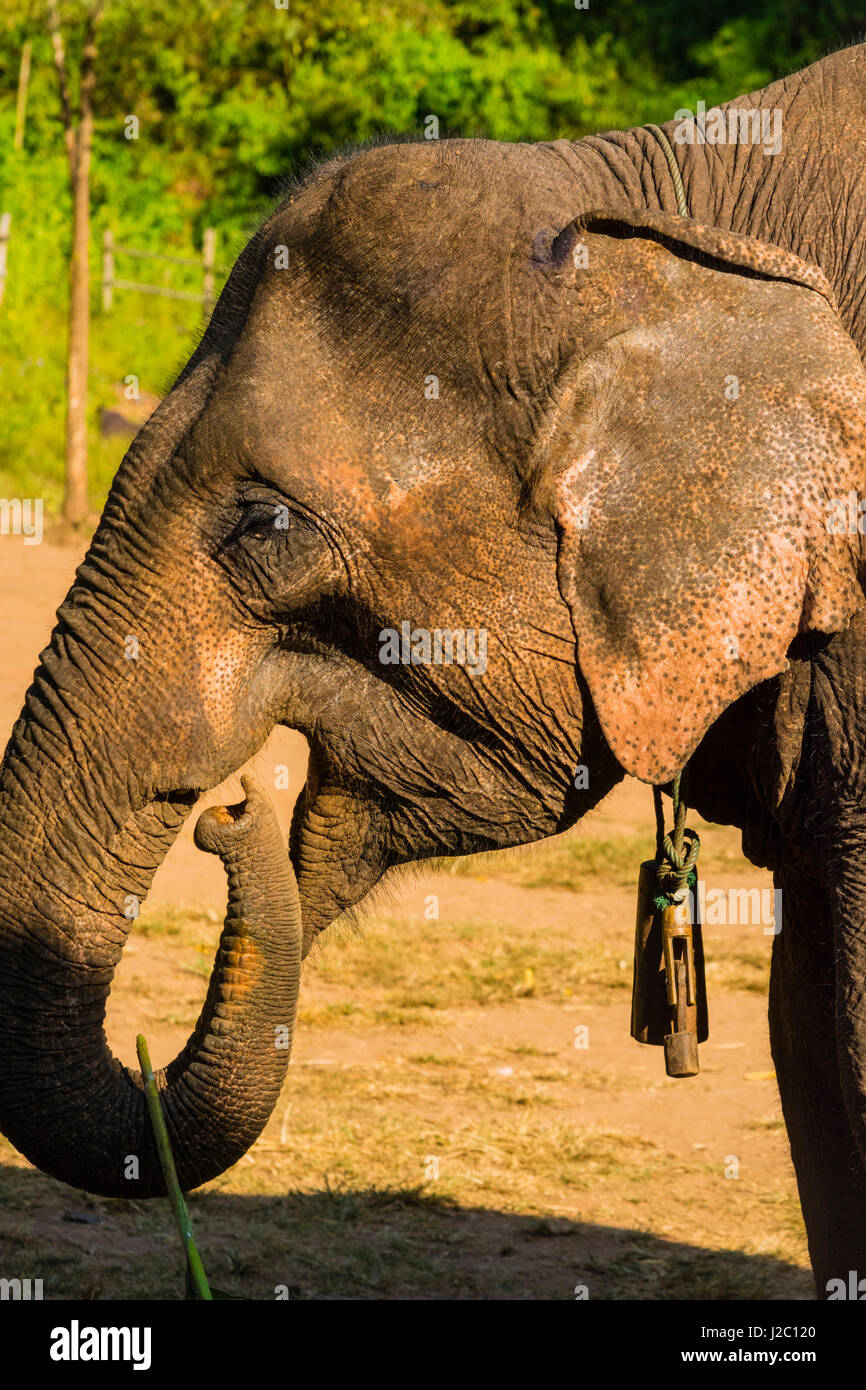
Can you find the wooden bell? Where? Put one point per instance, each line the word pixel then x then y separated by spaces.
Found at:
pixel 669 997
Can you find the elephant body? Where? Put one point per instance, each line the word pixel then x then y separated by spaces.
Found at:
pixel 468 387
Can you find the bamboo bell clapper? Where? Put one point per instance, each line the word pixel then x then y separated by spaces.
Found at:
pixel 669 999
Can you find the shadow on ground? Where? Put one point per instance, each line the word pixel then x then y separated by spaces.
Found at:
pixel 355 1244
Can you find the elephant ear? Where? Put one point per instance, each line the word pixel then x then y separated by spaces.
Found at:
pixel 706 436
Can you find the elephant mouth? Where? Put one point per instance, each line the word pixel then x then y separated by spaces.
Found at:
pixel 179 798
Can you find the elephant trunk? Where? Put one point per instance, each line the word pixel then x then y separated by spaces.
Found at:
pixel 65 1101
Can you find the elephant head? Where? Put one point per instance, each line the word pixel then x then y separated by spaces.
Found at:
pixel 472 489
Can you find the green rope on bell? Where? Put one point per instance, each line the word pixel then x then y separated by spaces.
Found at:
pixel 677 853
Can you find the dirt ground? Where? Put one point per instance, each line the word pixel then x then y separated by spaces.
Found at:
pixel 442 1134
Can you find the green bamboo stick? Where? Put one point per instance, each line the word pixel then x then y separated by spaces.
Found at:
pixel 169 1172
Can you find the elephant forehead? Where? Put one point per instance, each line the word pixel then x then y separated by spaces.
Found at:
pixel 340 444
pixel 279 412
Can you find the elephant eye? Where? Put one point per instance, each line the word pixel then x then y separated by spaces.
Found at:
pixel 265 530
pixel 265 519
pixel 276 555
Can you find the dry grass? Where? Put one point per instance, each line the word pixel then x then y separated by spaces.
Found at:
pixel 351 1204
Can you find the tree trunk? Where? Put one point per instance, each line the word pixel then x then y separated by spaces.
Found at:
pixel 75 504
pixel 21 104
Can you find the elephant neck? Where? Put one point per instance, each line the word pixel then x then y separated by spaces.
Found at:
pixel 782 164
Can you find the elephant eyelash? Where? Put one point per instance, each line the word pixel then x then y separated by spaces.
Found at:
pixel 262 516
pixel 268 520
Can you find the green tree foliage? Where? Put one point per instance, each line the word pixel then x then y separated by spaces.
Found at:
pixel 237 92
pixel 233 96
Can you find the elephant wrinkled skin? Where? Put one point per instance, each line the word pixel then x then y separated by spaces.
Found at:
pixel 474 387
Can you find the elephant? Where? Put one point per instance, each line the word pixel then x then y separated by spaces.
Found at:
pixel 601 400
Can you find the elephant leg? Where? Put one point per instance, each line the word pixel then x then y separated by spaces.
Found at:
pixel 830 1171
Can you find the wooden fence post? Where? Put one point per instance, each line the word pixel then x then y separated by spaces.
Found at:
pixel 107 270
pixel 5 224
pixel 208 256
pixel 205 261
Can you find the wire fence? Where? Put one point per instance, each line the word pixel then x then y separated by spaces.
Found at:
pixel 110 282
